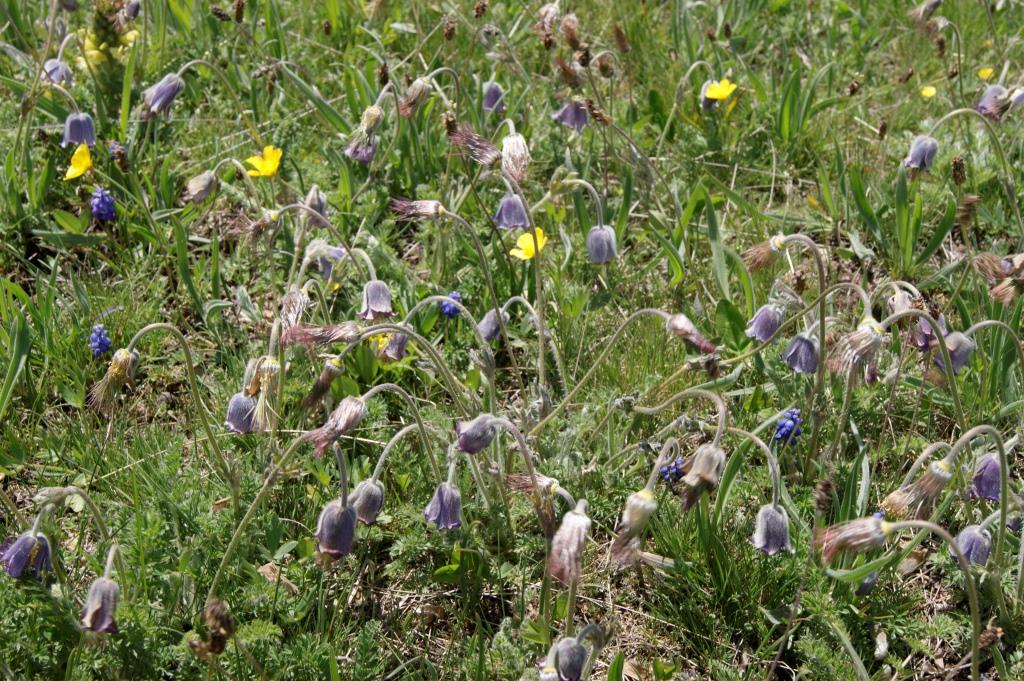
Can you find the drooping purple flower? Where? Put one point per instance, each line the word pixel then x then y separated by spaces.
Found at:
pixel 99 341
pixel 476 435
pixel 362 149
pixel 447 308
pixel 771 530
pixel 161 95
pixel 494 98
pixel 922 152
pixel 960 349
pixel 706 103
pixel 367 499
pixel 58 73
pixel 601 246
pixel 490 327
pixel 394 349
pixel 923 334
pixel 445 508
pixel 78 129
pixel 802 354
pixel 376 301
pixel 29 553
pixel 131 10
pixel 994 102
pixel 572 115
pixel 101 606
pixel 975 543
pixel 241 412
pixel 103 205
pixel 570 658
pixel 511 213
pixel 986 481
pixel 765 322
pixel 335 531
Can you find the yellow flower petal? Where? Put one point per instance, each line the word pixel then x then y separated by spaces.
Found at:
pixel 267 163
pixel 720 89
pixel 928 92
pixel 524 245
pixel 81 162
pixel 986 72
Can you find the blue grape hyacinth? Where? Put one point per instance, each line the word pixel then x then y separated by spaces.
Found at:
pixel 99 341
pixel 787 430
pixel 673 471
pixel 102 204
pixel 447 309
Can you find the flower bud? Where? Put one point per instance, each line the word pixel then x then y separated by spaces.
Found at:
pixel 367 499
pixel 445 508
pixel 476 435
pixel 601 246
pixel 101 606
pixel 335 531
pixel 771 530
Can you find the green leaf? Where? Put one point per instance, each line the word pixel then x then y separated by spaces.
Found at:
pixel 616 667
pixel 69 222
pixel 731 325
pixel 19 344
pixel 718 265
pixel 939 235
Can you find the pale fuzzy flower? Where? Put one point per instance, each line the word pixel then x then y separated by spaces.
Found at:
pixel 861 534
pixel 266 380
pixel 199 187
pixel 680 325
pixel 859 348
pixel 771 530
pixel 915 500
pixel 345 332
pixel 705 472
pixel 342 421
pixel 120 371
pixel 515 156
pixel 479 148
pixel 293 306
pixel 411 210
pixel 565 562
pixel 763 254
pixel 415 96
pixel 640 506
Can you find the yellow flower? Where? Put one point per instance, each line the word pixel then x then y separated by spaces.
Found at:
pixel 720 89
pixel 524 245
pixel 266 164
pixel 986 72
pixel 928 92
pixel 81 162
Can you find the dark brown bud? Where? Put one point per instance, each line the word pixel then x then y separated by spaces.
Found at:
pixel 219 624
pixel 965 209
pixel 852 88
pixel 907 75
pixel 220 14
pixel 583 56
pixel 620 39
pixel 990 636
pixel 959 171
pixel 568 72
pixel 940 45
pixel 710 33
pixel 239 8
pixel 605 66
pixel 883 128
pixel 547 40
pixel 448 29
pixel 727 30
pixel 326 27
pixel 480 9
pixel 451 123
pixel 383 75
pixel 953 72
pixel 823 495
pixel 597 113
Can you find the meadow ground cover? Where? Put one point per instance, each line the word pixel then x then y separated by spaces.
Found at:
pixel 511 340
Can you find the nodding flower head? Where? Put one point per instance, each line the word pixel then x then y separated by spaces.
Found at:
pixel 99 341
pixel 765 322
pixel 494 98
pixel 922 153
pixel 960 349
pixel 29 554
pixel 490 326
pixel 58 73
pixel 160 96
pixel 901 301
pixel 994 268
pixel 923 335
pixel 335 531
pixel 994 102
pixel 572 115
pixel 415 96
pixel 367 499
pixel 787 430
pixel 565 562
pixel 640 506
pixel 801 354
pixel 293 306
pixel 371 119
pixel 923 12
pixel 241 414
pixel 101 606
pixel 861 534
pixel 220 625
pixel 975 544
pixel 511 213
pixel 376 301
pixel 266 380
pixel 601 247
pixel 706 103
pixel 120 371
pixel 316 201
pixel 515 156
pixel 763 254
pixel 476 435
pixel 771 530
pixel 342 421
pixel 345 332
pixel 445 508
pixel 859 348
pixel 479 148
pixel 705 472
pixel 410 210
pixel 986 481
pixel 199 187
pixel 915 500
pixel 325 255
pixel 333 368
pixel 570 657
pixel 392 348
pixel 680 325
pixel 78 129
pixel 362 149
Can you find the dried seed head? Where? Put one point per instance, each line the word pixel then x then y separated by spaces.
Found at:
pixel 479 148
pixel 448 27
pixel 383 75
pixel 219 625
pixel 852 88
pixel 823 495
pixel 570 73
pixel 565 562
pixel 120 371
pixel 570 31
pixel 959 172
pixel 515 156
pixel 342 421
pixel 621 42
pixel 680 325
pixel 992 267
pixel 763 254
pixel 416 96
pixel 915 500
pixel 345 332
pixel 862 534
pixel 332 369
pixel 412 210
pixel 480 9
pixel 605 66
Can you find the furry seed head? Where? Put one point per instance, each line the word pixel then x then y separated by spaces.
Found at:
pixel 565 562
pixel 857 536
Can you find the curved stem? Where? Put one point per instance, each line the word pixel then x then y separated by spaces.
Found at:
pixel 221 460
pixel 598 210
pixel 1004 478
pixel 524 449
pixel 397 390
pixel 552 346
pixel 995 323
pixel 101 525
pixel 597 364
pixel 250 187
pixel 723 409
pixel 770 458
pixel 378 469
pixel 64 93
pixel 264 492
pixel 947 364
pixel 920 461
pixel 675 100
pixel 972 591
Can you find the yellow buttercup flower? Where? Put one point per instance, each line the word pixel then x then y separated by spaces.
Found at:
pixel 81 162
pixel 986 72
pixel 928 92
pixel 266 164
pixel 524 245
pixel 720 89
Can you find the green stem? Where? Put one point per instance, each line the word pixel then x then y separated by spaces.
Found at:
pixel 411 403
pixel 723 409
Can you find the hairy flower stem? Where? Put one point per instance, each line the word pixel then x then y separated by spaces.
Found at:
pixel 552 346
pixel 1011 193
pixel 947 364
pixel 609 344
pixel 722 414
pixel 972 591
pixel 921 460
pixel 273 474
pixel 844 414
pixel 220 461
pixel 101 525
pixel 770 459
pixel 411 403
